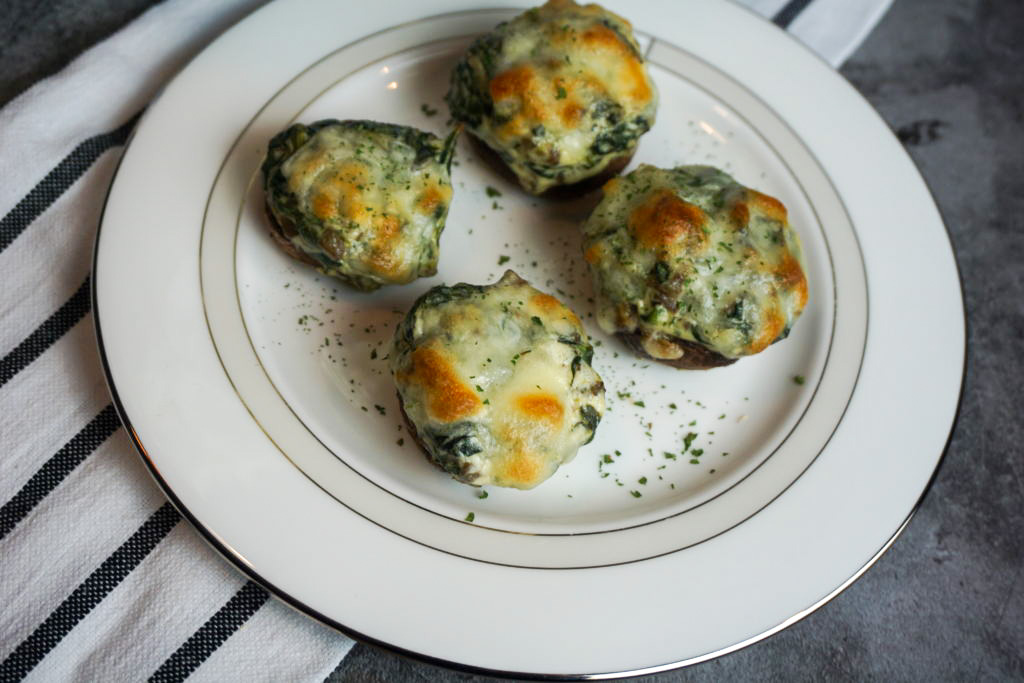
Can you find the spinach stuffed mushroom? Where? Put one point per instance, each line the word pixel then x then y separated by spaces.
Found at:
pixel 495 381
pixel 561 93
pixel 362 201
pixel 691 268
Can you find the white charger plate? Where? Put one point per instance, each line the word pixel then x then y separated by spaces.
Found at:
pixel 257 391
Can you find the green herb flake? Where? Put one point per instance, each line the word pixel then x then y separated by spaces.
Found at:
pixel 380 409
pixel 427 109
pixel 799 379
pixel 639 403
pixel 672 406
pixel 687 440
pixel 502 260
pixel 642 480
pixel 697 452
pixel 482 495
pixel 492 192
pixel 561 93
pixel 635 494
pixel 373 354
pixel 401 442
pixel 536 320
pixel 670 456
pixel 606 458
pixel 470 517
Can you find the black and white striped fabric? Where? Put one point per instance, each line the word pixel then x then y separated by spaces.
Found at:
pixel 100 578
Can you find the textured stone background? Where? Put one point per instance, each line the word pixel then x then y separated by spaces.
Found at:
pixel 947 601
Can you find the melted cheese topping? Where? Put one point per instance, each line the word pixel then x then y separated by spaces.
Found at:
pixel 567 92
pixel 369 212
pixel 691 254
pixel 447 397
pixel 497 381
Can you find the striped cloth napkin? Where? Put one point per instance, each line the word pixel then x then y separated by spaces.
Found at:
pixel 99 576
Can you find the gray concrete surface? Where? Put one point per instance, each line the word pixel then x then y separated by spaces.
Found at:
pixel 947 601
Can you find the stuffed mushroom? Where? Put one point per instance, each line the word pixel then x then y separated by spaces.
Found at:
pixel 362 201
pixel 495 382
pixel 692 268
pixel 561 93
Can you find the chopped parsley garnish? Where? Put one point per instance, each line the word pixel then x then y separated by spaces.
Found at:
pixel 606 458
pixel 642 480
pixel 670 456
pixel 470 517
pixel 561 94
pixel 635 494
pixel 482 495
pixel 639 403
pixel 502 260
pixel 380 409
pixel 672 406
pixel 427 109
pixel 799 379
pixel 687 440
pixel 492 192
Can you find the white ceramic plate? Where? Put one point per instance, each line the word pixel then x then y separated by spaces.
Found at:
pixel 735 500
